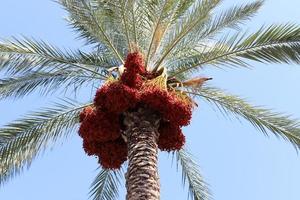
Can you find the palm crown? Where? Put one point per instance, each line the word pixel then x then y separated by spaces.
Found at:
pixel 176 37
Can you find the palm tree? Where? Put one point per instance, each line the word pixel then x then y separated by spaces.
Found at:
pixel 177 38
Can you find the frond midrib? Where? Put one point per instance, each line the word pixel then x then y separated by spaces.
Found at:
pixel 287 132
pixel 41 123
pixel 59 60
pixel 271 44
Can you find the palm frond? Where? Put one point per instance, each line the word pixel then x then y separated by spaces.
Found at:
pixel 273 44
pixel 132 10
pixel 182 8
pixel 146 15
pixel 198 189
pixel 166 12
pixel 106 185
pixel 263 119
pixel 23 140
pixel 20 56
pixel 95 20
pixel 231 18
pixel 144 20
pixel 44 82
pixel 194 19
pixel 125 10
pixel 131 14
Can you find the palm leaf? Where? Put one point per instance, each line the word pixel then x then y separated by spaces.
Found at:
pixel 125 20
pixel 276 43
pixel 182 8
pixel 20 56
pixel 145 20
pixel 95 22
pixel 106 184
pixel 166 11
pixel 231 18
pixel 44 82
pixel 133 8
pixel 24 139
pixel 198 189
pixel 264 119
pixel 194 19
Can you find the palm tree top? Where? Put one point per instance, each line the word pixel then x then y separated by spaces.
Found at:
pixel 179 37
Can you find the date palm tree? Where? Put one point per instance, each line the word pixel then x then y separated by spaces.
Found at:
pixel 177 37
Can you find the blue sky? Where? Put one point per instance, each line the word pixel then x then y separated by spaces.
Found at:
pixel 236 160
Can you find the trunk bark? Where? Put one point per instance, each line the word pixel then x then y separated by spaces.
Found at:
pixel 142 180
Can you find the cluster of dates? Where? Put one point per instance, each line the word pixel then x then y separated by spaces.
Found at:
pixel 102 123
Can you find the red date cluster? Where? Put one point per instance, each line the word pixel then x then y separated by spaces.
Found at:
pixel 101 124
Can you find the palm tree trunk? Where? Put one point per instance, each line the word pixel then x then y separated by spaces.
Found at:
pixel 142 180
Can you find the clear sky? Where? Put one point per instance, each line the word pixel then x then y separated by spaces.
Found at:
pixel 236 160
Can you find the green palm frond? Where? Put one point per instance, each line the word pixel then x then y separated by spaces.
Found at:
pixel 230 18
pixel 163 19
pixel 142 15
pixel 24 139
pixel 193 19
pixel 264 119
pixel 77 23
pixel 119 15
pixel 124 13
pixel 106 185
pixel 132 9
pixel 95 21
pixel 44 82
pixel 130 14
pixel 20 56
pixel 276 43
pixel 182 8
pixel 148 15
pixel 198 189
